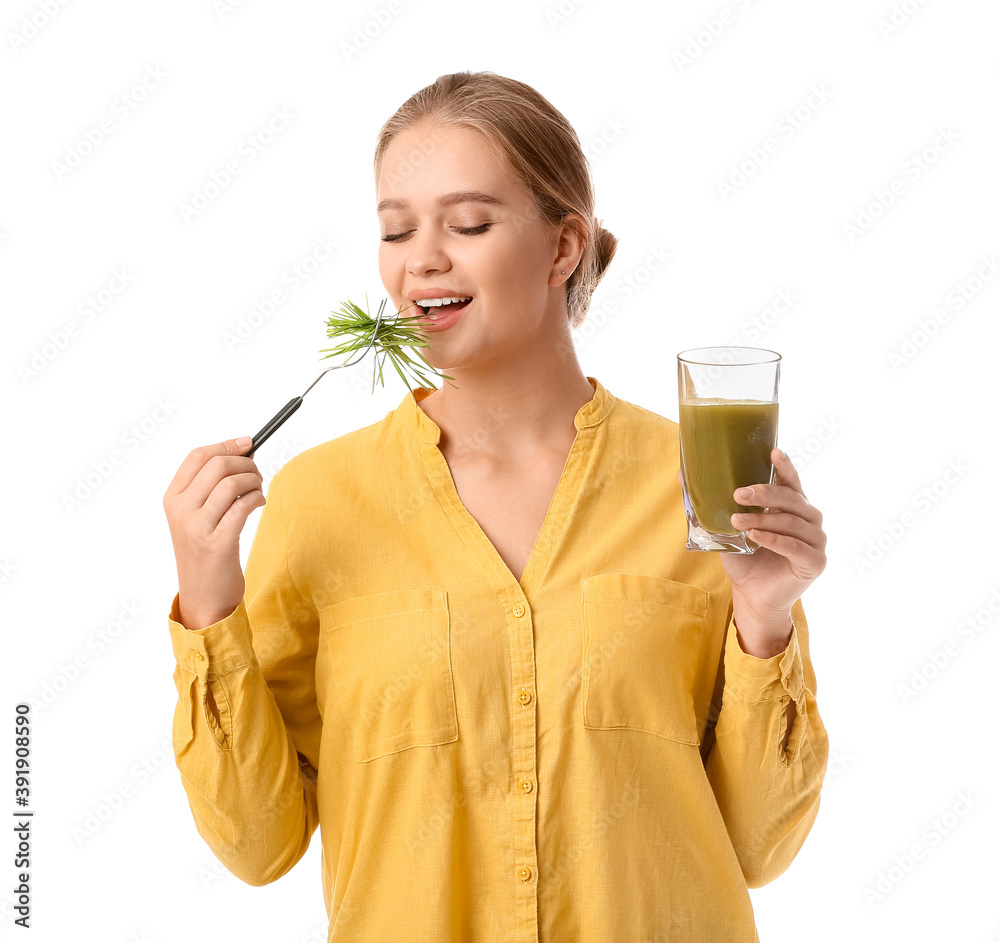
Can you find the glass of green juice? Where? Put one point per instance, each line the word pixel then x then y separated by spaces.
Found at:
pixel 728 400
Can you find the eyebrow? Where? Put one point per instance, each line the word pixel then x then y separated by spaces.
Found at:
pixel 449 199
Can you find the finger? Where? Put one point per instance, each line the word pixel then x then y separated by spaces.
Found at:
pixel 779 498
pixel 788 525
pixel 196 459
pixel 807 562
pixel 785 472
pixel 236 514
pixel 229 491
pixel 217 469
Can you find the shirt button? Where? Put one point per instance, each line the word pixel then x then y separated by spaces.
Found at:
pixel 524 873
pixel 526 786
pixel 524 696
pixel 199 656
pixel 518 610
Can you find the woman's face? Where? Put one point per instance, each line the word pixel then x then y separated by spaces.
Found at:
pixel 438 239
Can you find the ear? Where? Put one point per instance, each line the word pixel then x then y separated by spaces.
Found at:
pixel 570 241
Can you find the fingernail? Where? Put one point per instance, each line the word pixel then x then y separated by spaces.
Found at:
pixel 744 492
pixel 243 442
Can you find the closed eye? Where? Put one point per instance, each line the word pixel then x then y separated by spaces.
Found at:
pixel 464 230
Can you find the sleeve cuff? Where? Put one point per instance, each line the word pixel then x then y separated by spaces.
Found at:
pixel 761 679
pixel 217 648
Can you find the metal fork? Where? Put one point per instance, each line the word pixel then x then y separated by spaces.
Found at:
pixel 279 417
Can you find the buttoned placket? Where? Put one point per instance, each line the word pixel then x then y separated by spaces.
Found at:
pixel 524 740
pixel 524 728
pixel 515 595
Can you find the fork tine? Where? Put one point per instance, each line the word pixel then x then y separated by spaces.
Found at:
pixel 350 363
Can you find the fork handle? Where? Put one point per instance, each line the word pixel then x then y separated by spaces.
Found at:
pixel 273 424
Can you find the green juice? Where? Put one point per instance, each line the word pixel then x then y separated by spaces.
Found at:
pixel 725 445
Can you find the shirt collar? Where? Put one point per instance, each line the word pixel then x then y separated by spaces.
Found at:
pixel 420 425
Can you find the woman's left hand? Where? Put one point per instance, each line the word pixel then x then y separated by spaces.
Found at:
pixel 791 555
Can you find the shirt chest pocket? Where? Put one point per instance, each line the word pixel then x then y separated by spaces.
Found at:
pixel 642 640
pixel 390 660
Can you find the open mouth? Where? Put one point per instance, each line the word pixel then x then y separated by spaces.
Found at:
pixel 435 311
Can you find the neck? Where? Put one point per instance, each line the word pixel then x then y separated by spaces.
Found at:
pixel 513 410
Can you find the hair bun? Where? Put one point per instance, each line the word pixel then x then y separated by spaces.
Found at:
pixel 605 246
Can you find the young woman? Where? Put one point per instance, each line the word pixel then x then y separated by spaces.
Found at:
pixel 471 644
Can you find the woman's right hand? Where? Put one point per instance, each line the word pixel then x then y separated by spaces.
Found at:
pixel 207 503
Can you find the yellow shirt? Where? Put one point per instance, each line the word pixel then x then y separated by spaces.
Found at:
pixel 582 756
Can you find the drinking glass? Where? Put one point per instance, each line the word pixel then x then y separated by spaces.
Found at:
pixel 728 425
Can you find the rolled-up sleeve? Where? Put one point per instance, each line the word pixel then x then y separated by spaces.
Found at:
pixel 250 777
pixel 768 793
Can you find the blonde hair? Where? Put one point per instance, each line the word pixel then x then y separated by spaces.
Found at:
pixel 538 144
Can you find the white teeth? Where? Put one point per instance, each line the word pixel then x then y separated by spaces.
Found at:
pixel 440 302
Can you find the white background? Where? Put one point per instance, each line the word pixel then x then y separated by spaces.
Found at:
pixel 892 424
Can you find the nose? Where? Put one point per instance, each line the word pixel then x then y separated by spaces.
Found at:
pixel 426 252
